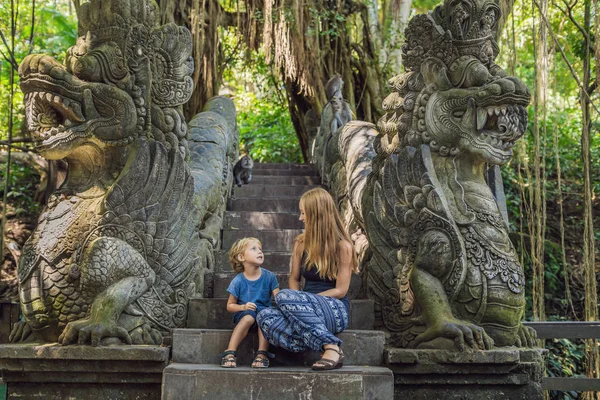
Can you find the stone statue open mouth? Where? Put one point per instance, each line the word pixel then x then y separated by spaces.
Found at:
pixel 62 109
pixel 51 118
pixel 499 126
pixel 493 124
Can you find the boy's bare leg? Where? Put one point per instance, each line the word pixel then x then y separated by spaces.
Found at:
pixel 262 345
pixel 239 333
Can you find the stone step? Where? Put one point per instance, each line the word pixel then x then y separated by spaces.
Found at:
pixel 274 204
pixel 258 165
pixel 284 180
pixel 261 220
pixel 216 283
pixel 284 172
pixel 210 382
pixel 266 191
pixel 202 346
pixel 211 313
pixel 272 239
pixel 278 261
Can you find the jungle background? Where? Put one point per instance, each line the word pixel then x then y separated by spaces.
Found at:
pixel 274 57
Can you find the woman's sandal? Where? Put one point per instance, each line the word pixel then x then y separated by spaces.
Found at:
pixel 228 357
pixel 325 364
pixel 262 362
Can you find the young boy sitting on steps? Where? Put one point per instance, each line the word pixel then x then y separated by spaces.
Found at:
pixel 249 292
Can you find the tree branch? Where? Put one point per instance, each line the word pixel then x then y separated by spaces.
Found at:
pixel 13 60
pixel 564 56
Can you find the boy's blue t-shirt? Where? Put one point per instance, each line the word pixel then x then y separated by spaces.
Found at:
pixel 257 292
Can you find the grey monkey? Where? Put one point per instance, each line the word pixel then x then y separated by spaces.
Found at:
pixel 242 171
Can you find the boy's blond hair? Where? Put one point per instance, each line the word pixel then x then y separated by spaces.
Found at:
pixel 238 248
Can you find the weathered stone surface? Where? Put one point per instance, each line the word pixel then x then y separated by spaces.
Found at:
pixel 281 204
pixel 272 240
pixel 248 220
pixel 433 206
pixel 411 356
pixel 286 180
pixel 202 346
pixel 334 116
pixel 489 374
pixel 211 313
pixel 266 191
pixel 82 372
pixel 285 172
pixel 190 381
pixel 38 352
pixel 282 166
pixel 119 245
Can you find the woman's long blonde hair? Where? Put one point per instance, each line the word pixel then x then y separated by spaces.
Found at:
pixel 323 231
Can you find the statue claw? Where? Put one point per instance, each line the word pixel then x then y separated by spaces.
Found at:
pixel 86 331
pixel 145 334
pixel 462 333
pixel 527 337
pixel 20 333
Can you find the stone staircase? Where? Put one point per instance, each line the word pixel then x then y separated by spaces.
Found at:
pixel 267 209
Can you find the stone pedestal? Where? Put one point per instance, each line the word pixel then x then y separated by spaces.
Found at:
pixel 481 375
pixel 83 372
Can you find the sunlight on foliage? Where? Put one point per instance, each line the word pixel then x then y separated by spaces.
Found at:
pixel 55 30
pixel 266 130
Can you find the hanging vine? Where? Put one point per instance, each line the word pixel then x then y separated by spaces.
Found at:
pixel 305 41
pixel 537 225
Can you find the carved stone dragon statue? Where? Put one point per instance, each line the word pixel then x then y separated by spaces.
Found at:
pixel 442 269
pixel 116 253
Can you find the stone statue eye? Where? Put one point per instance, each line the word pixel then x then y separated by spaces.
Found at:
pixel 458 113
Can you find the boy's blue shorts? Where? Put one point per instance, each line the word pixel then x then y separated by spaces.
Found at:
pixel 241 314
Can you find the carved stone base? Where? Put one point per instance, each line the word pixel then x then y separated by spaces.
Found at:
pixel 83 372
pixel 482 375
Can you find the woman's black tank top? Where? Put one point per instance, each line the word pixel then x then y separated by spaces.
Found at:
pixel 313 283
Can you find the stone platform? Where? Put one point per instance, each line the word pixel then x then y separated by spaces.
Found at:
pixel 201 381
pixel 480 375
pixel 51 371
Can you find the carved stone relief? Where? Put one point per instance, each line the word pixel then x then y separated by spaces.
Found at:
pixel 442 270
pixel 117 254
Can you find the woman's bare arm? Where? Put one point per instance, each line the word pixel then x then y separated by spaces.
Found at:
pixel 294 280
pixel 344 274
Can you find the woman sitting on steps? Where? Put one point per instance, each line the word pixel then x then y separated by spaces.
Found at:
pixel 324 256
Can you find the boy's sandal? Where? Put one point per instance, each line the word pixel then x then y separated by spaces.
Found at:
pixel 228 359
pixel 325 364
pixel 262 362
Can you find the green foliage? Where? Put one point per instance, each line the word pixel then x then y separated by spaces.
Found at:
pixel 54 32
pixel 23 185
pixel 266 129
pixel 565 359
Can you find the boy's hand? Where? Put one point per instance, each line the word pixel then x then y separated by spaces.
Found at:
pixel 249 306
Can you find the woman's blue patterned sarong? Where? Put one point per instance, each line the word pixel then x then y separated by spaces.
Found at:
pixel 303 321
